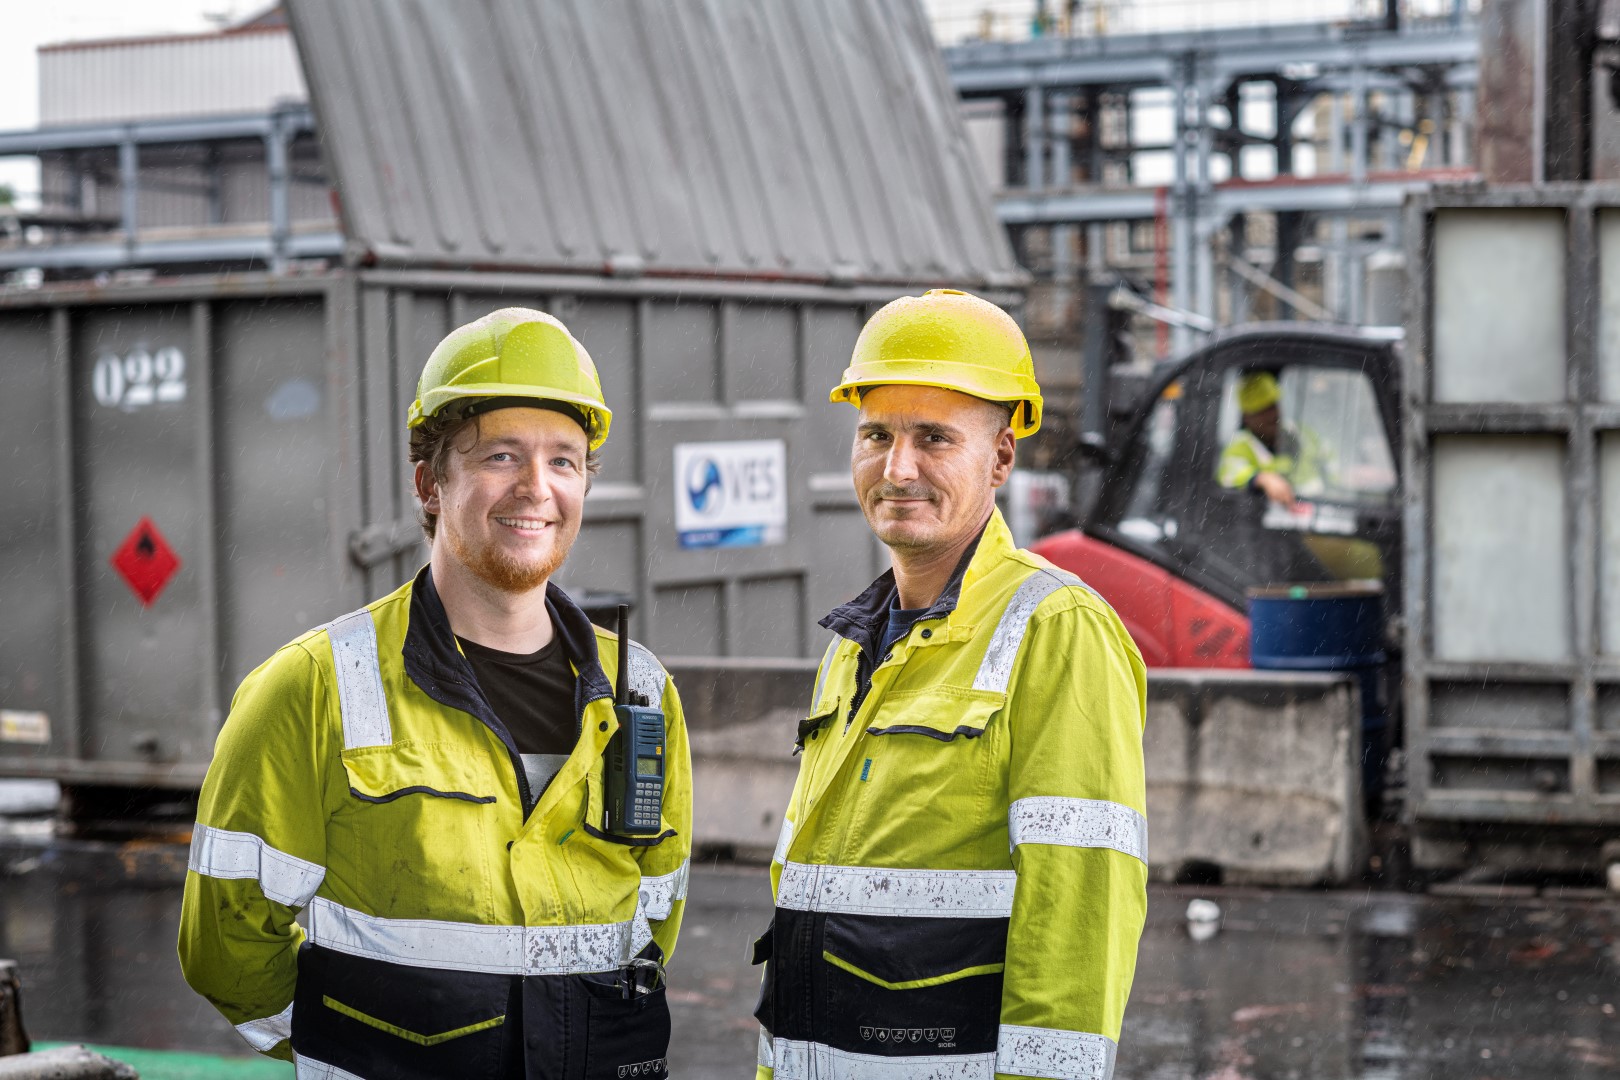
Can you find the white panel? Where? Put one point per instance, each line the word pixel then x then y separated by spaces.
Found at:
pixel 1501 550
pixel 1499 306
pixel 1608 352
pixel 1609 547
pixel 150 78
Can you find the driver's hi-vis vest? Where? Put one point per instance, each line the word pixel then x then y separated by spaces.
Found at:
pixel 961 878
pixel 1299 458
pixel 459 924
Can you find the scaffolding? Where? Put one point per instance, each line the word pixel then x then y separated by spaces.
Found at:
pixel 1226 171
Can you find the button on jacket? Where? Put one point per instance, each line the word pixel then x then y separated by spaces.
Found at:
pixel 961 878
pixel 363 779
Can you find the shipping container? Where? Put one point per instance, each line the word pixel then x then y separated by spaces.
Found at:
pixel 203 469
pixel 1513 526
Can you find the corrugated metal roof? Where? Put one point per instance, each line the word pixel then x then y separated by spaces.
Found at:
pixel 809 139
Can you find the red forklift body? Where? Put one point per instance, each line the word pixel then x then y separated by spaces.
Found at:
pixel 1174 623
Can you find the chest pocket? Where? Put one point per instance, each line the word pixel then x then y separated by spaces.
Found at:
pixel 942 713
pixel 417 827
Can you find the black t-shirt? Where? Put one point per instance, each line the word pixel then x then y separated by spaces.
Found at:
pixel 533 695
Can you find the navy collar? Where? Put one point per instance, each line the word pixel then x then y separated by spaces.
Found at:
pixel 864 618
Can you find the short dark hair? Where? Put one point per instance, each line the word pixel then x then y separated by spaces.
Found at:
pixel 434 438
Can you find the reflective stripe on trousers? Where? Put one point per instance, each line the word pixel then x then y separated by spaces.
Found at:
pixel 1021 1051
pixel 307 1068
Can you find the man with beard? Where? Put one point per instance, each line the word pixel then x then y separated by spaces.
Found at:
pixel 961 878
pixel 424 778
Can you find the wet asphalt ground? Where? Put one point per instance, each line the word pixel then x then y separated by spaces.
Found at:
pixel 1502 983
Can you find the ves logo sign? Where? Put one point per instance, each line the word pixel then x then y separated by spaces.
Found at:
pixel 731 494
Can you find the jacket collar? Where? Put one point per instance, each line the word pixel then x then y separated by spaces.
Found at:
pixel 864 618
pixel 434 662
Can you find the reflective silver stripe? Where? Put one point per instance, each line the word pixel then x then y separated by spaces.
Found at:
pixel 765 1059
pixel 1086 823
pixel 647 676
pixel 457 946
pixel 784 840
pixel 359 680
pixel 798 1060
pixel 862 890
pixel 1054 1054
pixel 307 1068
pixel 821 673
pixel 996 668
pixel 284 878
pixel 263 1034
pixel 658 894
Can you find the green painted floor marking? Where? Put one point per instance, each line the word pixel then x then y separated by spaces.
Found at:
pixel 180 1065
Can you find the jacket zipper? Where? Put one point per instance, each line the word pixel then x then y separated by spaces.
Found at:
pixel 863 684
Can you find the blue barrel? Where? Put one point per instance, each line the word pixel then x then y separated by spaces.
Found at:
pixel 1335 627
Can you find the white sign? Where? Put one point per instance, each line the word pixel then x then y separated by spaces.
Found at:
pixel 25 727
pixel 731 494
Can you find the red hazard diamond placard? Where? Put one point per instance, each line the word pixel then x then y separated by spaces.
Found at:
pixel 145 561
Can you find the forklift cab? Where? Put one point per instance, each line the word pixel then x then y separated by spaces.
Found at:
pixel 1162 498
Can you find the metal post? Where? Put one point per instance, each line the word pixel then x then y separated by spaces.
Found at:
pixel 275 149
pixel 1238 244
pixel 1389 146
pixel 129 170
pixel 1358 125
pixel 1181 210
pixel 216 192
pixel 1462 122
pixel 1096 232
pixel 1204 215
pixel 202 376
pixel 1335 147
pixel 1034 137
pixel 1061 127
pixel 70 742
pixel 1339 266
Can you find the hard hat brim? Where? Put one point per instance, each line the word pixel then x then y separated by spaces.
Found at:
pixel 986 384
pixel 435 401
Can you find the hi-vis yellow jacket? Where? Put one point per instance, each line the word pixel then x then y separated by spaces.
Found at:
pixel 363 779
pixel 961 877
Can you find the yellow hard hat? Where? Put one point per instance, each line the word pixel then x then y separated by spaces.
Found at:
pixel 951 340
pixel 514 353
pixel 1258 391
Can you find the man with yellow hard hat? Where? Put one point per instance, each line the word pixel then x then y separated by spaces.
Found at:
pixel 960 881
pixel 424 778
pixel 1267 455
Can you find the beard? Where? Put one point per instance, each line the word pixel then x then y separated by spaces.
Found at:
pixel 499 570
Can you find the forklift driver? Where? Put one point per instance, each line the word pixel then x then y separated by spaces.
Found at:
pixel 1268 455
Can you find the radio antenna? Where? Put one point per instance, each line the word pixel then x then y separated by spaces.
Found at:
pixel 621 694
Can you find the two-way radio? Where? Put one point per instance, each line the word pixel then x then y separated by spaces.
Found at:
pixel 635 754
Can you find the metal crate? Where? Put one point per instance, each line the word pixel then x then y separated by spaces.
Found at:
pixel 1512 450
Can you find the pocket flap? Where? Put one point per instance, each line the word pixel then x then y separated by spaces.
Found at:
pixel 434 770
pixel 816 719
pixel 910 953
pixel 939 712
